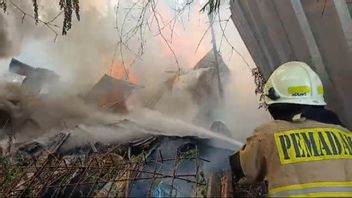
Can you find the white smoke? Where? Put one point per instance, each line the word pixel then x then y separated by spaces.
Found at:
pixel 144 123
pixel 87 51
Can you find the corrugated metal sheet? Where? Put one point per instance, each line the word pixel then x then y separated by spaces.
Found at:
pixel 316 32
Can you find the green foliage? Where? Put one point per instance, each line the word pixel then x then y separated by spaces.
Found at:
pixel 201 178
pixel 201 189
pixel 189 155
pixel 138 158
pixel 9 172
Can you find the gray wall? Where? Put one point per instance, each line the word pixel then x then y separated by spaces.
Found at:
pixel 316 32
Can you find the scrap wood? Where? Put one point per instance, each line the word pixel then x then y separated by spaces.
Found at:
pixel 226 186
pixel 24 180
pixel 121 184
pixel 102 174
pixel 213 188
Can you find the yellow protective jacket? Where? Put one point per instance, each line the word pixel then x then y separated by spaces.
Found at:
pixel 301 159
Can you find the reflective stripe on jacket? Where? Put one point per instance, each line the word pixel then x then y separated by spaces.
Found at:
pixel 300 159
pixel 318 189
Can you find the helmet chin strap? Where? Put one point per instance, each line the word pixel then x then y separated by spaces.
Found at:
pixel 272 94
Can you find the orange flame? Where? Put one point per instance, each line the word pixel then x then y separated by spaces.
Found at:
pixel 120 72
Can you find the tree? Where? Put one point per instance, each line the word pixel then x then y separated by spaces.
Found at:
pixel 67 8
pixel 143 13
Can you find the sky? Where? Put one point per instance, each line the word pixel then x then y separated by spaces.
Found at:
pixel 89 49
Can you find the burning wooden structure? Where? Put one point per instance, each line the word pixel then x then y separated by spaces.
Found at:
pixel 149 166
pixel 111 93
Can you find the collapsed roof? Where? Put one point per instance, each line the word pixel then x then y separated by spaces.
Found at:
pixel 108 92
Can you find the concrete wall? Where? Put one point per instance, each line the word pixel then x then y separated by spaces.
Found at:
pixel 316 32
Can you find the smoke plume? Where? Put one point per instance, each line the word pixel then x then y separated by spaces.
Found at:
pixel 91 47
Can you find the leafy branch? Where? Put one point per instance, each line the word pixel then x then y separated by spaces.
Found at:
pixel 259 82
pixel 67 7
pixel 49 24
pixel 211 6
pixel 3 5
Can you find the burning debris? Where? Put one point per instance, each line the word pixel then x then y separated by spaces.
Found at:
pixel 82 152
pixel 111 93
pixel 152 167
pixel 197 91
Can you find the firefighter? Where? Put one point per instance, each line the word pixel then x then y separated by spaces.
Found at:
pixel 305 151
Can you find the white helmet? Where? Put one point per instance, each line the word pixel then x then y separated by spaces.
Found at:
pixel 295 83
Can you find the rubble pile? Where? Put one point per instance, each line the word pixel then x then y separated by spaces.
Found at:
pixel 142 167
pixel 136 164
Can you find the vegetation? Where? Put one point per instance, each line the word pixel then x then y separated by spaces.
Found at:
pixel 259 82
pixel 68 7
pixel 9 172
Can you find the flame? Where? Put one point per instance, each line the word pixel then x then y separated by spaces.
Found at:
pixel 120 72
pixel 116 98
